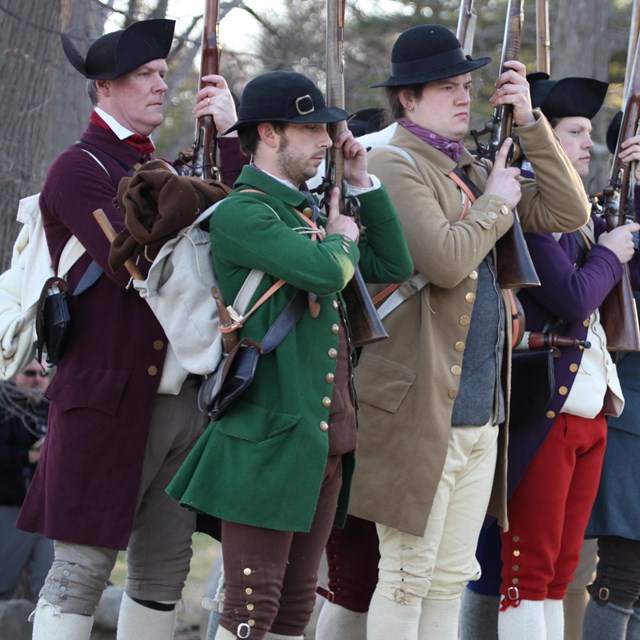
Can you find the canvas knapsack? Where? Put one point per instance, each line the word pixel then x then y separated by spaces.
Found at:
pixel 21 285
pixel 178 290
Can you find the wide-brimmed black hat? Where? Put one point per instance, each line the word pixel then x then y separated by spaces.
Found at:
pixel 426 53
pixel 284 96
pixel 567 97
pixel 115 54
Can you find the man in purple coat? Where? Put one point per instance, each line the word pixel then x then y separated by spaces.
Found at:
pixel 122 418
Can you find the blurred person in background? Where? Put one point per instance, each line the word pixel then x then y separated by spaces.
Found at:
pixel 23 424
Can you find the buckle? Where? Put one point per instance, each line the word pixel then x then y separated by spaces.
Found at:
pixel 304 105
pixel 603 593
pixel 513 593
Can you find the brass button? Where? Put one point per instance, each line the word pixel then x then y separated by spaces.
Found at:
pixel 247 571
pixel 470 297
pixel 332 353
pixel 250 607
pixel 330 378
pixel 335 329
pixel 324 426
pixel 251 622
pixel 158 345
pixel 585 323
pixel 453 394
pixel 516 567
pixel 504 210
pixel 456 370
pixel 573 367
pixel 516 553
pixel 474 275
pixel 515 581
pixel 326 402
pixel 551 414
pixel 307 212
pixel 563 390
pixel 516 538
pixel 335 304
pixel 248 591
pixel 459 346
pixel 152 370
pixel 465 320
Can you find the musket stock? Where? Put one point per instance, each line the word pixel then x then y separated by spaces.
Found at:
pixel 514 265
pixel 366 326
pixel 619 312
pixel 466 30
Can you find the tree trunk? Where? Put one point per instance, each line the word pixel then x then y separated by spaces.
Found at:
pixel 585 50
pixel 29 40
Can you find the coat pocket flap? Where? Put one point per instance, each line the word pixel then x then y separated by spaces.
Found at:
pixel 92 388
pixel 254 423
pixel 382 383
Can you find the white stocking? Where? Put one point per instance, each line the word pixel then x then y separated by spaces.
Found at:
pixel 439 619
pixel 524 622
pixel 337 623
pixel 50 623
pixel 388 619
pixel 137 622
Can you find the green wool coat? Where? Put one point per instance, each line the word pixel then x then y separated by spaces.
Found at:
pixel 262 463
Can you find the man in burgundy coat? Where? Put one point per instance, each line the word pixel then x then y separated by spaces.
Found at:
pixel 120 425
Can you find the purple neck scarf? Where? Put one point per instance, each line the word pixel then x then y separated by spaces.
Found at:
pixel 448 147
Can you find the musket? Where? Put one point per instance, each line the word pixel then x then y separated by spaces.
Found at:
pixel 619 311
pixel 545 340
pixel 543 38
pixel 466 30
pixel 366 326
pixel 203 164
pixel 514 265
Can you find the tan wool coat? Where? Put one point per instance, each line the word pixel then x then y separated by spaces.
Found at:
pixel 407 384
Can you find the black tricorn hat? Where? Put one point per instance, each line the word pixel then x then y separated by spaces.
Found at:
pixel 284 96
pixel 426 53
pixel 116 54
pixel 366 121
pixel 567 97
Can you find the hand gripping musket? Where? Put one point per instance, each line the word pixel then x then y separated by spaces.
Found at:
pixel 619 312
pixel 466 30
pixel 514 265
pixel 205 145
pixel 366 326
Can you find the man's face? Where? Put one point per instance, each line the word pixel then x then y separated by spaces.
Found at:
pixel 300 151
pixel 574 134
pixel 136 99
pixel 32 382
pixel 444 107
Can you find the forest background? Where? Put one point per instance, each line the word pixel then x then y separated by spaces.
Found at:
pixel 44 105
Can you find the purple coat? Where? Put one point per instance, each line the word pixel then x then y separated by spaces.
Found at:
pixel 572 295
pixel 86 485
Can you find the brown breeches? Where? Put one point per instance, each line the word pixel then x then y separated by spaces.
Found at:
pixel 271 576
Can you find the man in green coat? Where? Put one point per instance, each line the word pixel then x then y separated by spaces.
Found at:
pixel 276 467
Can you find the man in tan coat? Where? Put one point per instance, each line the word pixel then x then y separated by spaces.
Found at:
pixel 433 398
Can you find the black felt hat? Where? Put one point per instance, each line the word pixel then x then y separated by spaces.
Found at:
pixel 426 53
pixel 116 54
pixel 284 96
pixel 567 97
